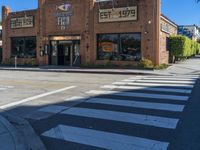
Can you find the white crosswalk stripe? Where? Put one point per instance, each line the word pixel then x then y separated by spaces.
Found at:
pixel 165 78
pixel 103 139
pixel 136 104
pixel 147 88
pixel 153 84
pixel 160 81
pixel 2 89
pixel 172 76
pixel 150 120
pixel 141 95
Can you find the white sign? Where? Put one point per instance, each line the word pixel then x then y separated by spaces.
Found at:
pixel 22 22
pixel 118 14
pixel 64 13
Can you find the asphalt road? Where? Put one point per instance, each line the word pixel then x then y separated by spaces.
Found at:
pixel 94 112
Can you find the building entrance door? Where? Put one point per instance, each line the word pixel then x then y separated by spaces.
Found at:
pixel 64 53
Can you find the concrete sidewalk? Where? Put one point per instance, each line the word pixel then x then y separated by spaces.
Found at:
pixel 79 70
pixel 190 66
pixel 187 67
pixel 85 70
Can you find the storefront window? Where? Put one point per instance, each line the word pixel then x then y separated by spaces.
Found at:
pixel 119 47
pixel 23 47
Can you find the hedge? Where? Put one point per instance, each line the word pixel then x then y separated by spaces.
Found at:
pixel 183 47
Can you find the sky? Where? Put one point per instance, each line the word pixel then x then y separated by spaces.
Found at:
pixel 182 12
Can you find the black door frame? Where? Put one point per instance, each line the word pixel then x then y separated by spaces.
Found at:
pixel 72 45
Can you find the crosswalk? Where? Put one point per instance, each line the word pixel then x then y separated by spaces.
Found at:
pixel 4 88
pixel 139 113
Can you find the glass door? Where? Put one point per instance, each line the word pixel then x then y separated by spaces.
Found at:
pixel 53 60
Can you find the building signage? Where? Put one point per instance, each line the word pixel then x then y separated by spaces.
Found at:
pixel 63 15
pixel 107 46
pixel 165 28
pixel 118 14
pixel 65 38
pixel 22 22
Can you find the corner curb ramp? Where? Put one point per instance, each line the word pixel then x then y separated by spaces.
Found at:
pixel 29 138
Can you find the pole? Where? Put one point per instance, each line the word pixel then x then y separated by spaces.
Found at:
pixel 15 62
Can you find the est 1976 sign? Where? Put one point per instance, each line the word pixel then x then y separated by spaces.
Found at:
pixel 118 14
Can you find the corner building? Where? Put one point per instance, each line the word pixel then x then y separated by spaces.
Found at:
pixel 85 32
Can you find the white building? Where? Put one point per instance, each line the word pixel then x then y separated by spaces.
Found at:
pixel 191 31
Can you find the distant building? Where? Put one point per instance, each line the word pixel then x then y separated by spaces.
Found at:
pixel 0 43
pixel 0 36
pixel 191 31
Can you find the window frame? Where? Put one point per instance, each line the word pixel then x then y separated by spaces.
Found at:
pixel 119 43
pixel 25 49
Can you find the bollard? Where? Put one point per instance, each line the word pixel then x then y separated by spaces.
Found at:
pixel 15 62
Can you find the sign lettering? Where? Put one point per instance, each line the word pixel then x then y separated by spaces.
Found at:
pixel 22 22
pixel 118 14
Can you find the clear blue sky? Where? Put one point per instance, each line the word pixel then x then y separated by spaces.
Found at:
pixel 180 11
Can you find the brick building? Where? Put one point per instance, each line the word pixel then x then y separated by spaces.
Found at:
pixel 80 32
pixel 168 28
pixel 0 43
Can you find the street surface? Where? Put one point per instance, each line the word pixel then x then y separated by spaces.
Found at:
pixel 71 111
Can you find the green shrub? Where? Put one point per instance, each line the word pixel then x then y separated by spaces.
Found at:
pixel 145 63
pixel 183 47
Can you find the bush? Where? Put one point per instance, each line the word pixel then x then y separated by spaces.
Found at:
pixel 162 66
pixel 145 63
pixel 183 47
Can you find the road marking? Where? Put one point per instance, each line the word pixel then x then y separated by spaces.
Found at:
pixel 161 81
pixel 147 89
pixel 150 120
pixel 35 97
pixel 76 98
pixel 167 78
pixel 3 89
pixel 153 84
pixel 177 76
pixel 136 104
pixel 104 140
pixel 142 95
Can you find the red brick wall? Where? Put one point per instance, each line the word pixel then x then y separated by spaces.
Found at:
pixel 164 52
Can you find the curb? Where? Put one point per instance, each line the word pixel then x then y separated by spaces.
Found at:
pixel 85 71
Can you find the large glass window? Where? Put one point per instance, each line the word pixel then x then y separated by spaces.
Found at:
pixel 23 47
pixel 119 47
